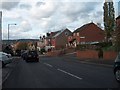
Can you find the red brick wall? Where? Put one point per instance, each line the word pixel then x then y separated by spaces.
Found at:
pixel 92 54
pixel 109 55
pixel 55 53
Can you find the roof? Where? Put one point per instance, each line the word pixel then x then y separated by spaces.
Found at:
pixel 52 34
pixel 84 27
pixel 118 17
pixel 57 33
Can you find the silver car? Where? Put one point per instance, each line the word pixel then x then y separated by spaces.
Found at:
pixel 5 58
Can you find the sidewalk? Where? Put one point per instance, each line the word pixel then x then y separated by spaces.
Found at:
pixel 8 68
pixel 99 61
pixel 91 61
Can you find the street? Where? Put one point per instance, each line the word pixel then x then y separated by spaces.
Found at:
pixel 60 72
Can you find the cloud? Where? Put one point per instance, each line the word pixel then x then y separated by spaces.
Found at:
pixel 38 4
pixel 24 26
pixel 119 8
pixel 8 4
pixel 44 11
pixel 37 17
pixel 25 6
pixel 60 14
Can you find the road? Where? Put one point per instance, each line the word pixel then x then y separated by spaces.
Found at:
pixel 60 72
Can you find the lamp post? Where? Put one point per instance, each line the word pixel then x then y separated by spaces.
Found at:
pixel 9 28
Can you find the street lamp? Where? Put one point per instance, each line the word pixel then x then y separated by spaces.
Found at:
pixel 9 28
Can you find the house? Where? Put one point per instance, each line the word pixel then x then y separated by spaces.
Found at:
pixel 58 39
pixel 118 21
pixel 88 34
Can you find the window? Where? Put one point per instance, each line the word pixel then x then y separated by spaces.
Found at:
pixel 49 40
pixel 78 34
pixel 82 37
pixel 82 42
pixel 74 34
pixel 70 37
pixel 66 33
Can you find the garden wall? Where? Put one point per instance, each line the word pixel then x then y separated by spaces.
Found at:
pixel 109 55
pixel 55 53
pixel 87 54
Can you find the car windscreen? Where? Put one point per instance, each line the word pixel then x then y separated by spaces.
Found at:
pixel 33 53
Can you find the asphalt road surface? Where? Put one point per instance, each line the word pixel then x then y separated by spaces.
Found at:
pixel 60 72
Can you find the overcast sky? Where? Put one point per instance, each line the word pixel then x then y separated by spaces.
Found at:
pixel 36 18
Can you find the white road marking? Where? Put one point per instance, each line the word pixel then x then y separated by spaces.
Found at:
pixel 96 64
pixel 8 74
pixel 69 74
pixel 48 64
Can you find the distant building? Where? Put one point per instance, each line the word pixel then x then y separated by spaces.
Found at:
pixel 87 34
pixel 41 44
pixel 58 39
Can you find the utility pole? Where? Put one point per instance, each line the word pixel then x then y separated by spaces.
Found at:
pixel 9 30
pixel 0 30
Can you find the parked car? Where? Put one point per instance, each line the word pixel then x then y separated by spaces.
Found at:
pixel 32 56
pixel 24 55
pixel 117 68
pixel 5 58
pixel 18 52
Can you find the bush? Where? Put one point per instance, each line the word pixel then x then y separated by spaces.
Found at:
pixel 104 44
pixel 42 51
pixel 81 47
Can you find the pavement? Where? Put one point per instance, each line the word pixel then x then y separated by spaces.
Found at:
pixel 101 61
pixel 60 72
pixel 6 71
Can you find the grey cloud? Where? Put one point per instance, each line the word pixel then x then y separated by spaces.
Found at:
pixel 9 5
pixel 45 12
pixel 73 12
pixel 79 9
pixel 38 4
pixel 25 6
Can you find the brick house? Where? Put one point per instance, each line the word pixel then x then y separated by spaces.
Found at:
pixel 58 39
pixel 118 21
pixel 88 34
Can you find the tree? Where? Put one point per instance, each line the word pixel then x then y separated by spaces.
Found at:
pixel 117 34
pixel 21 46
pixel 48 34
pixel 109 19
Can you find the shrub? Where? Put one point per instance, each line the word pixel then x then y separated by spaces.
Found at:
pixel 42 50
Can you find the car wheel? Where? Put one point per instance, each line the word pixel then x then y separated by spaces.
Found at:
pixel 38 60
pixel 117 75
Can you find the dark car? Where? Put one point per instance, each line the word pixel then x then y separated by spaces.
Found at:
pixel 31 56
pixel 18 52
pixel 24 54
pixel 117 68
